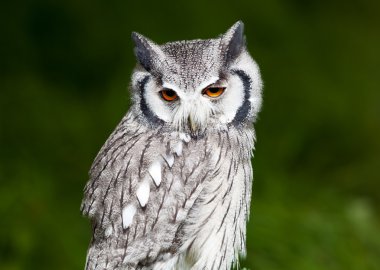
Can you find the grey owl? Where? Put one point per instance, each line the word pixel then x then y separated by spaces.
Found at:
pixel 170 189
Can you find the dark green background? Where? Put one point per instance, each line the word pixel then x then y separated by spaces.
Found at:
pixel 64 71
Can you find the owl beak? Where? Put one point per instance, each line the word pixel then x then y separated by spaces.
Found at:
pixel 192 125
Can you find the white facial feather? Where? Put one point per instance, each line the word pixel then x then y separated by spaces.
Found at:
pixel 156 103
pixel 231 100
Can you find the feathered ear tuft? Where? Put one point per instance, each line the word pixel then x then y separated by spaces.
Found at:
pixel 233 41
pixel 147 52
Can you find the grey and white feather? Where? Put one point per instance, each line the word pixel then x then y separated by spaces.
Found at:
pixel 171 187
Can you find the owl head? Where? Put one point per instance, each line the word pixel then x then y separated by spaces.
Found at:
pixel 196 86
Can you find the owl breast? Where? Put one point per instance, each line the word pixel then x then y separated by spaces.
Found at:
pixel 215 227
pixel 161 200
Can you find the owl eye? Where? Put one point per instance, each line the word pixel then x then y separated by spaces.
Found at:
pixel 168 95
pixel 213 91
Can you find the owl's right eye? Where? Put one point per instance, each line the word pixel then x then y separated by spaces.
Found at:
pixel 168 95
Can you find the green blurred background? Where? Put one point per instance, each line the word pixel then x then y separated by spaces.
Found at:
pixel 64 72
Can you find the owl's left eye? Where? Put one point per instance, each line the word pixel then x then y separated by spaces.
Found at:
pixel 168 95
pixel 213 91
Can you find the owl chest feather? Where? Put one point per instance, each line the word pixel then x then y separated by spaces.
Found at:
pixel 218 217
pixel 166 201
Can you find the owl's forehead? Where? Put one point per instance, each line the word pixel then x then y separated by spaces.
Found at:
pixel 191 63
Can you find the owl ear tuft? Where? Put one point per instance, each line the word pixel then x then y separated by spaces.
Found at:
pixel 147 52
pixel 233 41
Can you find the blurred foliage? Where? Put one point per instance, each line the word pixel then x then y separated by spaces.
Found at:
pixel 64 72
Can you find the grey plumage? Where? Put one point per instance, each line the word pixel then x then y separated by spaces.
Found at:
pixel 171 187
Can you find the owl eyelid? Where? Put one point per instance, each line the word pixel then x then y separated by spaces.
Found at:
pixel 215 86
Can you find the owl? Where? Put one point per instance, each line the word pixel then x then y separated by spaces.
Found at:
pixel 171 187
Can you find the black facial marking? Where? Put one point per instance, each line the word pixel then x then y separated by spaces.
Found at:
pixel 244 109
pixel 152 118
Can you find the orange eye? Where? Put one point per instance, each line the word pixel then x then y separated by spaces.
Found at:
pixel 168 95
pixel 213 91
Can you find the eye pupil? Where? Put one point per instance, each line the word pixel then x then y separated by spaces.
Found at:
pixel 170 93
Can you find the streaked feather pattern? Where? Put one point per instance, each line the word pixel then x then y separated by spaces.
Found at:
pixel 195 190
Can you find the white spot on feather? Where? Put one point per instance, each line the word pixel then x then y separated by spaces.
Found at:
pixel 185 137
pixel 178 148
pixel 128 214
pixel 169 159
pixel 109 231
pixel 142 193
pixel 155 171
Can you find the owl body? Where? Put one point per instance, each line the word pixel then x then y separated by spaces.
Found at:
pixel 171 187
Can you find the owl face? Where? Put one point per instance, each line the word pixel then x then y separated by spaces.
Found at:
pixel 196 86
